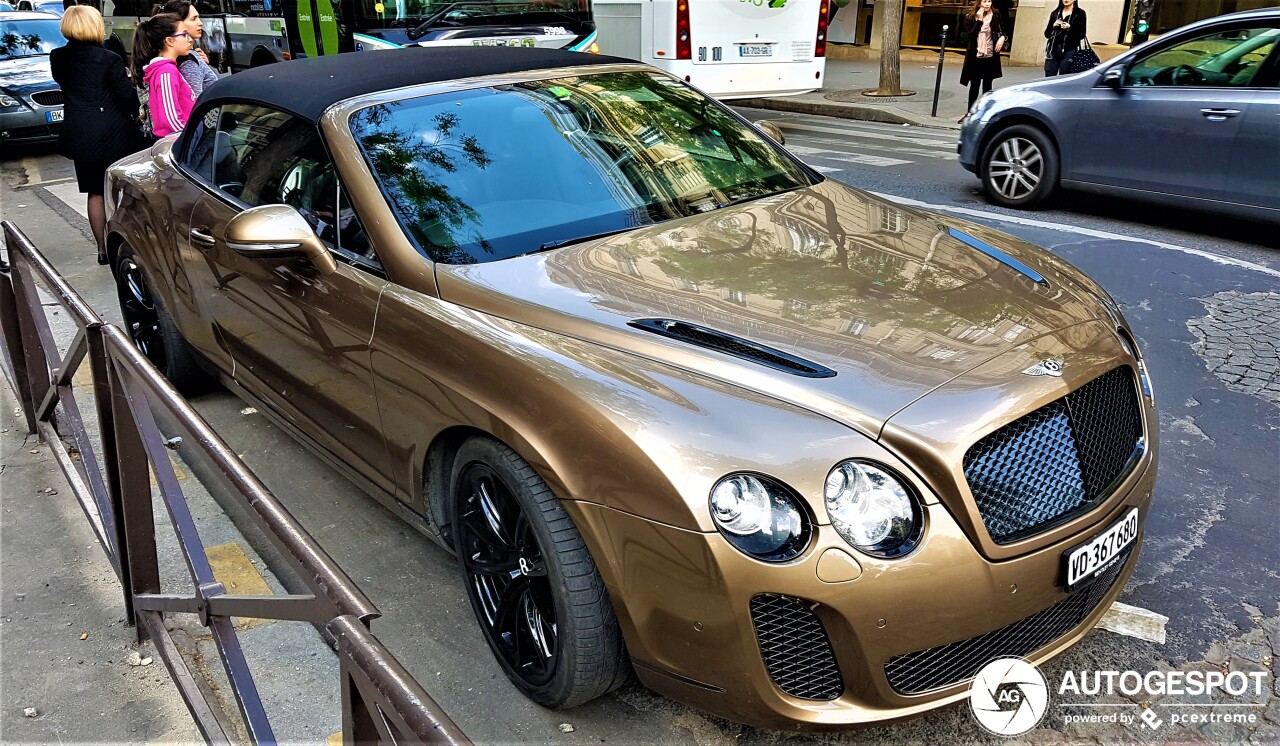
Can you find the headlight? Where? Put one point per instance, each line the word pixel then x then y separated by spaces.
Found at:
pixel 760 517
pixel 872 509
pixel 7 101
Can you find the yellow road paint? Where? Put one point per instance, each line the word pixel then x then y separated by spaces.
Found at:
pixel 32 167
pixel 177 470
pixel 232 568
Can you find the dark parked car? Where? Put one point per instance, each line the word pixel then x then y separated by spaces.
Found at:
pixel 1189 119
pixel 676 401
pixel 30 102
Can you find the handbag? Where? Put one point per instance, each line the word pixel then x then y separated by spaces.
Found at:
pixel 1083 58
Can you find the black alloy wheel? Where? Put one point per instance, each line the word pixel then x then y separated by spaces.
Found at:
pixel 138 307
pixel 151 329
pixel 506 576
pixel 534 588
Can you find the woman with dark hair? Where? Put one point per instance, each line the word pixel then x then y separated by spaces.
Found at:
pixel 982 55
pixel 157 45
pixel 1065 31
pixel 194 67
pixel 100 108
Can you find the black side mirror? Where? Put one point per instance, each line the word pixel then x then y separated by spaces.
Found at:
pixel 1113 78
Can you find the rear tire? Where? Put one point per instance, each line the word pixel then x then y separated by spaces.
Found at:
pixel 152 330
pixel 532 584
pixel 1020 167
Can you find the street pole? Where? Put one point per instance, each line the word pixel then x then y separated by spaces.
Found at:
pixel 942 57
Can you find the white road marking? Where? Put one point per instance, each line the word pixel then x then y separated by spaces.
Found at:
pixel 835 155
pixel 1107 235
pixel 904 139
pixel 70 194
pixel 1134 621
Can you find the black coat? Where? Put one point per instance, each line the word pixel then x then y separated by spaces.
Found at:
pixel 974 68
pixel 1063 41
pixel 100 105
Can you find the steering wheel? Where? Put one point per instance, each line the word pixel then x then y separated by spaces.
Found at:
pixel 1186 75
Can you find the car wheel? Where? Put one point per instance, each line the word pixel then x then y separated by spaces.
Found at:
pixel 1020 167
pixel 152 330
pixel 533 586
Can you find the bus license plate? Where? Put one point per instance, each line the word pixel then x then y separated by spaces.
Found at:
pixel 1086 561
pixel 755 50
pixel 53 116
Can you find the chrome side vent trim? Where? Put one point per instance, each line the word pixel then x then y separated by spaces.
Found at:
pixel 702 336
pixel 998 255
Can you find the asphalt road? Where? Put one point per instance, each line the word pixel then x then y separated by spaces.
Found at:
pixel 1203 295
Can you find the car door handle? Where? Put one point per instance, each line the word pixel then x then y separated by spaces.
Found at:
pixel 198 236
pixel 1219 115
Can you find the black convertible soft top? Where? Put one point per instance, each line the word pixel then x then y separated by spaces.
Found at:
pixel 308 87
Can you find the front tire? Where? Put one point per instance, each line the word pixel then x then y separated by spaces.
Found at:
pixel 151 329
pixel 1020 167
pixel 532 584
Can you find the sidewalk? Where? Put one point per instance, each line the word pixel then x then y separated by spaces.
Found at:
pixel 71 670
pixel 841 95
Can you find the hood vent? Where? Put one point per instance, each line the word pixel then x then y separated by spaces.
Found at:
pixel 711 339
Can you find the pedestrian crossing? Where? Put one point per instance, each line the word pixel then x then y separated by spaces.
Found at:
pixel 832 145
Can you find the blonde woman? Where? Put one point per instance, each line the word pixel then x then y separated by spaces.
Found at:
pixel 100 108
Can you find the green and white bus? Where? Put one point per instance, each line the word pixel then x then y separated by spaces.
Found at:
pixel 249 33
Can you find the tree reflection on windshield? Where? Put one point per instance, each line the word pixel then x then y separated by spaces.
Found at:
pixel 492 173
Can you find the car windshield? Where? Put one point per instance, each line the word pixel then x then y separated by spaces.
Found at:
pixel 29 37
pixel 491 173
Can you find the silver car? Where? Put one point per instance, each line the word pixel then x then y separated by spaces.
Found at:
pixel 1190 119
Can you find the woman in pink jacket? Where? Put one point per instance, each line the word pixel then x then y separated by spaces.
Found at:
pixel 157 45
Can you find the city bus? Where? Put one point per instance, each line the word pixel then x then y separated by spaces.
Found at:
pixel 249 33
pixel 727 48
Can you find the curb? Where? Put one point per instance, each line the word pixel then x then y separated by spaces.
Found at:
pixel 842 111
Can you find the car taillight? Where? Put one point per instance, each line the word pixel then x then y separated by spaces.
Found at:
pixel 684 39
pixel 820 46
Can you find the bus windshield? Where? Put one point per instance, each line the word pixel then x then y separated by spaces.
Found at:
pixel 455 14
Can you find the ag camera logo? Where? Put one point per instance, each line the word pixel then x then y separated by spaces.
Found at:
pixel 1009 696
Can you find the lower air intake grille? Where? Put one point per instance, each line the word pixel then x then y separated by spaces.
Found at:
pixel 1056 462
pixel 935 668
pixel 796 651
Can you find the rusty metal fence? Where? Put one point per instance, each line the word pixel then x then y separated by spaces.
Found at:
pixel 381 701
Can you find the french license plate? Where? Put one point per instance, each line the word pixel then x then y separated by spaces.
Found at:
pixel 53 116
pixel 755 50
pixel 1088 560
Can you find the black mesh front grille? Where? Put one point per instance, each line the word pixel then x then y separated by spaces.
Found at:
pixel 944 665
pixel 1047 466
pixel 796 651
pixel 47 98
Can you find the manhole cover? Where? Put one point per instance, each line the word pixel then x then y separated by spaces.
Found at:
pixel 856 97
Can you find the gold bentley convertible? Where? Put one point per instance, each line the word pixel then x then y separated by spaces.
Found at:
pixel 795 454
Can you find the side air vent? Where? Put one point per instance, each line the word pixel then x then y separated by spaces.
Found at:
pixel 731 345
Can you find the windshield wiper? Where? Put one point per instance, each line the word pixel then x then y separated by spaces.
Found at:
pixel 549 245
pixel 419 31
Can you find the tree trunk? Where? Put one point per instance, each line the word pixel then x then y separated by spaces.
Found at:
pixel 890 54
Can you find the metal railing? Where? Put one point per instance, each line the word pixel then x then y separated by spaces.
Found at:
pixel 381 701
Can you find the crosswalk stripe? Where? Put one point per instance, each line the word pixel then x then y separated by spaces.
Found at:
pixel 904 139
pixel 836 155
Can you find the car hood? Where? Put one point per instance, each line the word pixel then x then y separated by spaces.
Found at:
pixel 895 301
pixel 25 75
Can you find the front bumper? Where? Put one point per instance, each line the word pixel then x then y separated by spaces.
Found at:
pixel 684 599
pixel 28 126
pixel 969 144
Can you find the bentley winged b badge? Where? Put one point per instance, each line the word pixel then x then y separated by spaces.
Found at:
pixel 1048 367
